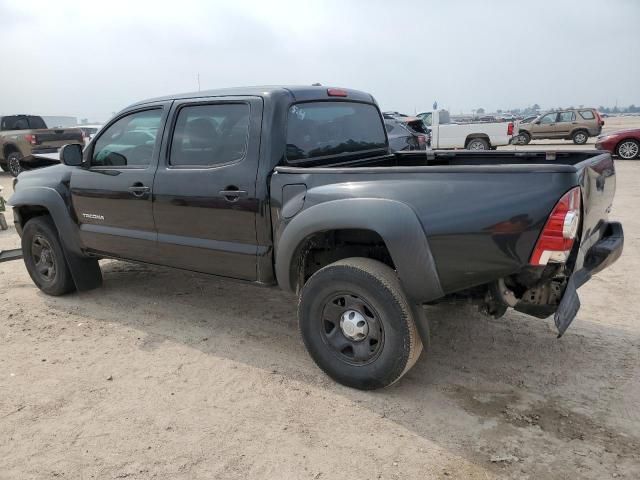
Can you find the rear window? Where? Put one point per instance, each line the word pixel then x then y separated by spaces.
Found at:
pixel 587 114
pixel 324 129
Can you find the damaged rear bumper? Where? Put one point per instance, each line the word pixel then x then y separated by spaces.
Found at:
pixel 601 255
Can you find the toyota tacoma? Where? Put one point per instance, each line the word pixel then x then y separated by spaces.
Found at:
pixel 297 187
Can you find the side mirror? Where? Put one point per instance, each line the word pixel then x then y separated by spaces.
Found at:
pixel 71 155
pixel 537 122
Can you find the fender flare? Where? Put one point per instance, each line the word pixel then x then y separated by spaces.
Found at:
pixel 84 270
pixel 395 222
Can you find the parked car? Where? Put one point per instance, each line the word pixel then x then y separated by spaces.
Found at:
pixel 571 124
pixel 25 135
pixel 297 187
pixel 409 133
pixel 623 143
pixel 472 136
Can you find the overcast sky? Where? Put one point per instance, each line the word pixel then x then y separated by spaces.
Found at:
pixel 90 58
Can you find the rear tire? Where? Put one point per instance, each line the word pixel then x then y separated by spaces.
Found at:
pixel 628 149
pixel 580 137
pixel 477 144
pixel 44 258
pixel 13 163
pixel 357 324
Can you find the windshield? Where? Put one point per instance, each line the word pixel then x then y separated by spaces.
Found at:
pixel 322 129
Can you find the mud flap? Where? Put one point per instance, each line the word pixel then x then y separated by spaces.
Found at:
pixel 8 255
pixel 570 303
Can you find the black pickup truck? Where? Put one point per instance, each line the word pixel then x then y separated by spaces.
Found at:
pixel 296 187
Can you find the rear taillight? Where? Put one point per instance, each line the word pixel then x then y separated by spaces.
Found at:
pixel 422 140
pixel 336 92
pixel 600 121
pixel 29 137
pixel 510 128
pixel 559 233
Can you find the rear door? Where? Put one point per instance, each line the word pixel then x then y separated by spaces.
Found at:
pixel 566 123
pixel 205 187
pixel 112 196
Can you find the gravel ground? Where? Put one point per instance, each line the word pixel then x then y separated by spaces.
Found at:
pixel 164 374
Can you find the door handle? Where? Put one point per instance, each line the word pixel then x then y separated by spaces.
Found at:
pixel 138 190
pixel 232 195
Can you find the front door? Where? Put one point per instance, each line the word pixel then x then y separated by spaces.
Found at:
pixel 112 196
pixel 205 187
pixel 546 127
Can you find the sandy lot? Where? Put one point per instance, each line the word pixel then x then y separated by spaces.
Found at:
pixel 162 374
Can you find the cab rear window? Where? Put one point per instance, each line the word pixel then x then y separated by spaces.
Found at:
pixel 318 130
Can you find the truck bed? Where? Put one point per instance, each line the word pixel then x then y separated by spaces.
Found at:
pixel 481 211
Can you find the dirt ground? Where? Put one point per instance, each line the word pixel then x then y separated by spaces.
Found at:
pixel 163 374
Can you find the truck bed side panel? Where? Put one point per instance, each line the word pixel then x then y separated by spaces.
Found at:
pixel 480 225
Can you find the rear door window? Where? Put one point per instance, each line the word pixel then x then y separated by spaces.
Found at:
pixel 566 116
pixel 317 130
pixel 587 114
pixel 36 123
pixel 210 135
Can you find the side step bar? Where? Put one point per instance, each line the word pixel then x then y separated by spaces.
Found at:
pixel 8 255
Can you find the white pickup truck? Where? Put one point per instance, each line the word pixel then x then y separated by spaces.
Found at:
pixel 472 136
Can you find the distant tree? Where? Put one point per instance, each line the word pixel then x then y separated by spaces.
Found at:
pixel 615 109
pixel 499 111
pixel 633 109
pixel 535 106
pixel 480 111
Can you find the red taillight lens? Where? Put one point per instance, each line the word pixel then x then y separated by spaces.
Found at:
pixel 510 128
pixel 560 231
pixel 336 92
pixel 30 138
pixel 422 140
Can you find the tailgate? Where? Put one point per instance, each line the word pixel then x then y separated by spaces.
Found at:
pixel 58 137
pixel 597 178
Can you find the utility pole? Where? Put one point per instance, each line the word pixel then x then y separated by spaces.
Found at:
pixel 198 81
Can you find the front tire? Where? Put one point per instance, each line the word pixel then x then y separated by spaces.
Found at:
pixel 477 144
pixel 13 163
pixel 628 149
pixel 524 138
pixel 580 137
pixel 44 258
pixel 357 324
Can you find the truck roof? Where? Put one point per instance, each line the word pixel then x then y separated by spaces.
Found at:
pixel 295 92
